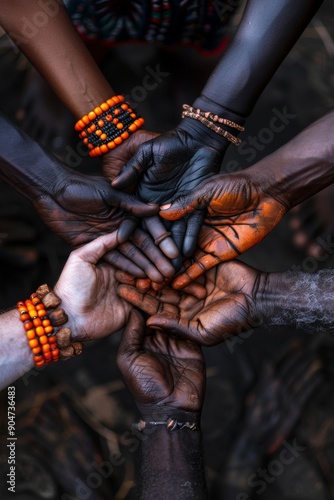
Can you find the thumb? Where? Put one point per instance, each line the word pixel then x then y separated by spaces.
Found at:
pixel 131 204
pixel 132 339
pixel 173 325
pixel 185 205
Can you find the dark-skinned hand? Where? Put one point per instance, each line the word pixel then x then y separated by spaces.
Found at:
pixel 214 308
pixel 160 370
pixel 80 208
pixel 240 212
pixel 171 165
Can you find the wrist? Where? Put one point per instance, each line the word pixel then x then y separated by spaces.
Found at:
pixel 150 412
pixel 204 135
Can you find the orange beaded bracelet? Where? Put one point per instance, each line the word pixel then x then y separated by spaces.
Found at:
pixel 40 328
pixel 108 125
pixel 39 331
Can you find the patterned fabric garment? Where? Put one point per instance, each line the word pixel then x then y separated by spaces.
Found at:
pixel 202 23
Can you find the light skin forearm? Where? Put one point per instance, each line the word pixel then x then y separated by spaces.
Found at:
pixel 56 51
pixel 16 357
pixel 266 34
pixel 171 465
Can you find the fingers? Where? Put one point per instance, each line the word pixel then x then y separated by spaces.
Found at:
pixel 134 254
pixel 133 169
pixel 94 251
pixel 131 204
pixel 132 339
pixel 143 301
pixel 184 205
pixel 125 230
pixel 174 325
pixel 203 264
pixel 143 241
pixel 161 236
pixel 116 259
pixel 178 230
pixel 194 223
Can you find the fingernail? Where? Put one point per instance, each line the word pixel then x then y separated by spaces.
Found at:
pixel 165 207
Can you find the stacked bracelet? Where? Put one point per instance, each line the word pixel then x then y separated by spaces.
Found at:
pixel 67 348
pixel 39 331
pixel 108 125
pixel 209 120
pixel 40 327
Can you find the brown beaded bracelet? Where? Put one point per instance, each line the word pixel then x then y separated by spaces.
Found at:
pixel 67 348
pixel 40 327
pixel 209 120
pixel 108 125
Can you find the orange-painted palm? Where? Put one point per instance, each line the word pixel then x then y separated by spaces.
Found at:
pixel 240 213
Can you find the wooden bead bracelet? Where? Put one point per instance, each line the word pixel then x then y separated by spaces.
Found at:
pixel 209 120
pixel 108 125
pixel 47 345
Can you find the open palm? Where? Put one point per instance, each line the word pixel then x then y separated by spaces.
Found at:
pixel 158 369
pixel 239 215
pixel 219 305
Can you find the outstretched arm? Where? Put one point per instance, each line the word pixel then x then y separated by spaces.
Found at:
pixel 233 298
pixel 267 32
pixel 93 308
pixel 178 161
pixel 78 207
pixel 166 378
pixel 242 208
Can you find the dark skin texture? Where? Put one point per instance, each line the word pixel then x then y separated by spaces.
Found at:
pixel 160 370
pixel 180 159
pixel 242 208
pixel 78 207
pixel 166 378
pixel 239 214
pixel 264 38
pixel 212 310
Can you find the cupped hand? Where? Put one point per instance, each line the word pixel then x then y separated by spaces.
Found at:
pixel 222 303
pixel 160 370
pixel 80 208
pixel 172 165
pixel 240 212
pixel 87 288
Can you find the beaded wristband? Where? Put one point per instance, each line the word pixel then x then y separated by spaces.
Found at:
pixel 108 125
pixel 39 331
pixel 58 317
pixel 209 120
pixel 39 327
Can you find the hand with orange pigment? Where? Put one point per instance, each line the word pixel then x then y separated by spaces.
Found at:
pixel 214 308
pixel 239 214
pixel 242 208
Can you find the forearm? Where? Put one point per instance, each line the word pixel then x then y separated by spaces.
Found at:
pixel 171 465
pixel 298 299
pixel 267 32
pixel 16 357
pixel 300 168
pixel 56 50
pixel 24 164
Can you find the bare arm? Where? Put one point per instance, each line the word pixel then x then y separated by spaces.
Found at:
pixel 44 33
